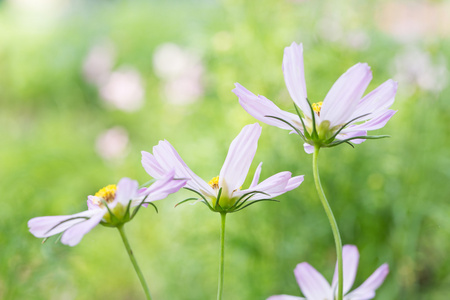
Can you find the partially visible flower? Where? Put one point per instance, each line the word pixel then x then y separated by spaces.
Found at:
pixel 224 193
pixel 112 143
pixel 98 64
pixel 111 206
pixel 343 116
pixel 124 89
pixel 181 72
pixel 315 287
pixel 423 73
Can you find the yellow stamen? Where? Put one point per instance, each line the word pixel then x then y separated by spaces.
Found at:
pixel 108 193
pixel 214 183
pixel 317 107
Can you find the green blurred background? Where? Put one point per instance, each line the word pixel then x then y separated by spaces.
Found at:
pixel 85 86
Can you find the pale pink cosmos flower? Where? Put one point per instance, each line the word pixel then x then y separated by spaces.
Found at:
pixel 315 287
pixel 124 89
pixel 224 193
pixel 181 72
pixel 344 115
pixel 98 64
pixel 112 144
pixel 110 206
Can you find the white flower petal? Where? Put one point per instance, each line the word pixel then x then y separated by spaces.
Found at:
pixel 294 76
pixel 344 95
pixel 239 158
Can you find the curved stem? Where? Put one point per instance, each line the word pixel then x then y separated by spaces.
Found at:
pixel 134 262
pixel 222 256
pixel 334 227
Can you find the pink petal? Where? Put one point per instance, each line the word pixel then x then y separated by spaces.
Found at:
pixel 126 191
pixel 239 158
pixel 376 101
pixel 350 257
pixel 168 159
pixel 47 226
pixel 276 185
pixel 256 176
pixel 152 166
pixel 344 136
pixel 294 76
pixel 162 188
pixel 285 297
pixel 367 290
pixel 376 123
pixel 344 95
pixel 308 148
pixel 74 234
pixel 313 285
pixel 260 107
pixel 91 204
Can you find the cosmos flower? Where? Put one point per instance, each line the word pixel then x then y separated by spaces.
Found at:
pixel 315 287
pixel 111 206
pixel 343 116
pixel 224 193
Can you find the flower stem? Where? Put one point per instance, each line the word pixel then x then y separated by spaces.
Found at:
pixel 222 256
pixel 334 227
pixel 134 262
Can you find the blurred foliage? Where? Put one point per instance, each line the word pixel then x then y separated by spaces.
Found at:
pixel 390 196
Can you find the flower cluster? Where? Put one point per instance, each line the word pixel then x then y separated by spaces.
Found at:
pixel 344 116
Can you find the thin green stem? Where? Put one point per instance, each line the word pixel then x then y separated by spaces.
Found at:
pixel 222 255
pixel 334 227
pixel 134 262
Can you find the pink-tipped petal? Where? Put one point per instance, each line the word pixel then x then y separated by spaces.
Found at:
pixel 260 108
pixel 239 158
pixel 169 159
pixel 367 290
pixel 313 285
pixel 126 191
pixel 376 101
pixel 350 258
pixel 285 297
pixel 256 176
pixel 47 226
pixel 344 95
pixel 294 76
pixel 74 234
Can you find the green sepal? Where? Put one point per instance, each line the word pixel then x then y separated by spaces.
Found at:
pixel 185 200
pixel 305 131
pixel 292 126
pixel 256 201
pixel 342 127
pixel 138 207
pixel 365 137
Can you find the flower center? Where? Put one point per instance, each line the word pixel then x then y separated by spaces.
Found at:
pixel 108 193
pixel 214 183
pixel 317 107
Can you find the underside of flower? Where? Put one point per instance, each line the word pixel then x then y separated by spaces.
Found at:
pixel 108 193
